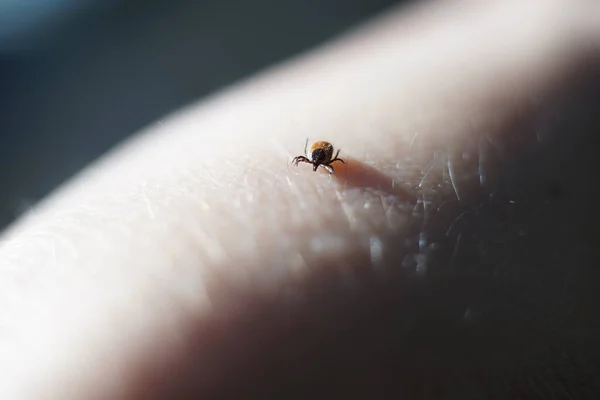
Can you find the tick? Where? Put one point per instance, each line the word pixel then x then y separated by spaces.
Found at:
pixel 320 154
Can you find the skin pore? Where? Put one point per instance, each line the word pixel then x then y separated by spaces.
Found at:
pixel 452 254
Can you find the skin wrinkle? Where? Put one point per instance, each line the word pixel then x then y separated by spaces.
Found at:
pixel 243 222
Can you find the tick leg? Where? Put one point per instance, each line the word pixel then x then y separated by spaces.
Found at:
pixel 329 168
pixel 299 159
pixel 337 159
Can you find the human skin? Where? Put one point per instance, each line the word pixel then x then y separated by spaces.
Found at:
pixel 452 256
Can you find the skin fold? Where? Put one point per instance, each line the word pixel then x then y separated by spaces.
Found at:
pixel 452 256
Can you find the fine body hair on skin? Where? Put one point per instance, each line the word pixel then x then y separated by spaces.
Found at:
pixel 452 256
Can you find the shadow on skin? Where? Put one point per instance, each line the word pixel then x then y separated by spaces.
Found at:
pixel 358 174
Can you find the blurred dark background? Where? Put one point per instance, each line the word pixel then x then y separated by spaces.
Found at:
pixel 78 76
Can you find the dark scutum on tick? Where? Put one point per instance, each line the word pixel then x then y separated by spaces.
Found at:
pixel 320 154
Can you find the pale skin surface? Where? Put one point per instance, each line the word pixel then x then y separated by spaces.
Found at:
pixel 195 260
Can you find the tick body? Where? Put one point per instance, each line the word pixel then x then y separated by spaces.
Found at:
pixel 320 154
